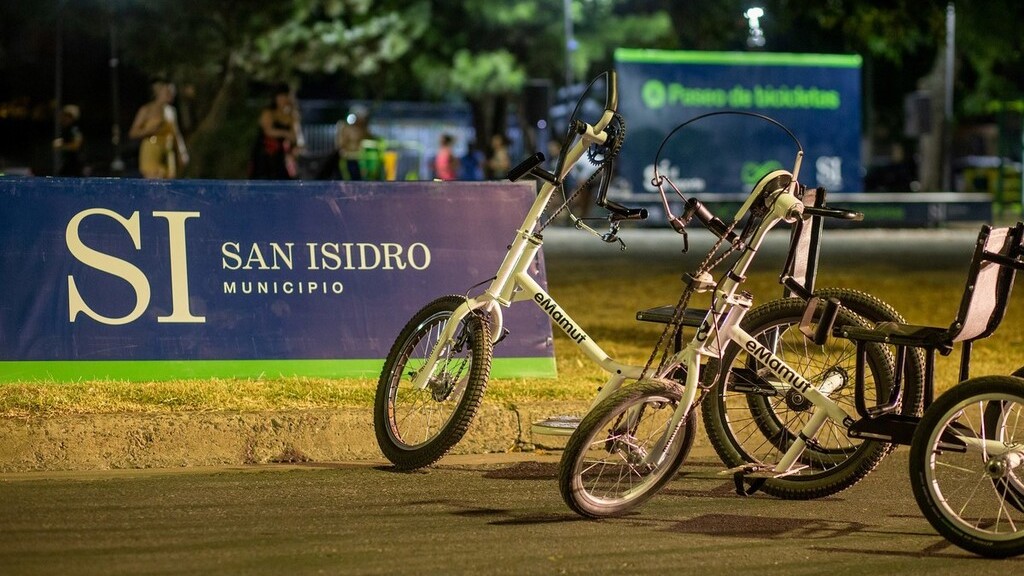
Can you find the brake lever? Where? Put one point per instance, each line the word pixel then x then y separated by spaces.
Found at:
pixel 612 235
pixel 678 224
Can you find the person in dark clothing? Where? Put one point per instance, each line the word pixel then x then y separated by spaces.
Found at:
pixel 278 139
pixel 70 142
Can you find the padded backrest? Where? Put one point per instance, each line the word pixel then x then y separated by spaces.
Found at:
pixel 988 284
pixel 802 262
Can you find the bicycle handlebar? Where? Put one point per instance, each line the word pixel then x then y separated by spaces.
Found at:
pixel 837 213
pixel 524 167
pixel 620 212
pixel 531 166
pixel 717 227
pixel 589 134
pixel 713 223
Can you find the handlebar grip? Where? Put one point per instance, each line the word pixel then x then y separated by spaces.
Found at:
pixel 711 222
pixel 524 167
pixel 836 213
pixel 635 214
pixel 701 211
pixel 612 102
pixel 620 212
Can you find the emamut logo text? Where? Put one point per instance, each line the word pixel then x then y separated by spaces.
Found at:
pixel 556 314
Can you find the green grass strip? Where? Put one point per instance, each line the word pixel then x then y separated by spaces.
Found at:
pixel 156 370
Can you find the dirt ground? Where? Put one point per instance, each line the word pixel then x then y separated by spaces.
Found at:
pixel 176 439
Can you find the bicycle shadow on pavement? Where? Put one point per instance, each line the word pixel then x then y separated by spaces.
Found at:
pixel 766 527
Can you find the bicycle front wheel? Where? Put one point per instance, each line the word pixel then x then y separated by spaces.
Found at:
pixel 965 465
pixel 415 426
pixel 751 417
pixel 618 457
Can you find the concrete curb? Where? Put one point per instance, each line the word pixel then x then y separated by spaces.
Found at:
pixel 178 439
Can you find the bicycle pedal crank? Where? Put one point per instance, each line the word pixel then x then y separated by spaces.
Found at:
pixel 757 474
pixel 556 426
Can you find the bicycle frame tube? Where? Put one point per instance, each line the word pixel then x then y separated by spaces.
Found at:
pixel 787 374
pixel 514 262
pixel 533 291
pixel 994 449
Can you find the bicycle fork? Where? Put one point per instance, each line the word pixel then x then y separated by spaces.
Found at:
pixel 657 454
pixel 445 340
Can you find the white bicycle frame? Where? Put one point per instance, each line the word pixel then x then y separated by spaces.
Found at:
pixel 513 282
pixel 722 325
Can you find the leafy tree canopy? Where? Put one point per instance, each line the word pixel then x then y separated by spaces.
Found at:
pixel 487 51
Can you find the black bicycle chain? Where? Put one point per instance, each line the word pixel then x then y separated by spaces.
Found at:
pixel 611 154
pixel 565 204
pixel 675 325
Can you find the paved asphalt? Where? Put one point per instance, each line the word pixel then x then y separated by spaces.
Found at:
pixel 496 514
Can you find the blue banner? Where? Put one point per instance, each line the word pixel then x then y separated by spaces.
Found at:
pixel 816 96
pixel 146 279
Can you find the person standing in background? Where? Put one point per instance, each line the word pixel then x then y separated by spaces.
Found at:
pixel 353 132
pixel 70 142
pixel 471 165
pixel 162 152
pixel 278 139
pixel 498 161
pixel 446 164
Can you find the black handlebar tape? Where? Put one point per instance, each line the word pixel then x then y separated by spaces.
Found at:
pixel 524 167
pixel 710 221
pixel 620 212
pixel 836 213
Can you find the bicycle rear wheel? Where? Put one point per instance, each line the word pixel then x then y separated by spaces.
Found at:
pixel 609 465
pixel 751 419
pixel 416 427
pixel 965 465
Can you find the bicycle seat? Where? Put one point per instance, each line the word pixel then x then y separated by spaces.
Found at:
pixel 692 317
pixel 900 335
pixel 983 304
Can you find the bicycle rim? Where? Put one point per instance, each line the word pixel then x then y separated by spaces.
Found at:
pixel 973 496
pixel 416 426
pixel 612 463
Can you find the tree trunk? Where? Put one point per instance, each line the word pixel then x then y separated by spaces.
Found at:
pixel 489 118
pixel 931 146
pixel 483 114
pixel 216 148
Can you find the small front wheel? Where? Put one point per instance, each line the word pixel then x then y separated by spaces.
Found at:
pixel 966 465
pixel 416 426
pixel 623 451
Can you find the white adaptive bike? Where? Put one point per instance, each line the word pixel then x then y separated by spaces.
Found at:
pixel 435 374
pixel 779 391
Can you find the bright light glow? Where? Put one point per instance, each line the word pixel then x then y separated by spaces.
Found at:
pixel 756 35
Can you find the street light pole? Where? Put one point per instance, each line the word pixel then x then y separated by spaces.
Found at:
pixel 947 136
pixel 570 42
pixel 58 84
pixel 117 164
